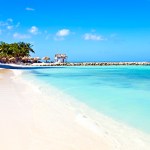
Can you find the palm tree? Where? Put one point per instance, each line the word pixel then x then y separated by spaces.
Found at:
pixel 25 48
pixel 4 49
pixel 17 50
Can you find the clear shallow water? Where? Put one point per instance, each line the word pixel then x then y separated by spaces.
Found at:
pixel 121 92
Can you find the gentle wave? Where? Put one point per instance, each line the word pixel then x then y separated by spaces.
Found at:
pixel 121 92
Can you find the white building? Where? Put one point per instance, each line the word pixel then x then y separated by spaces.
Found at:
pixel 60 58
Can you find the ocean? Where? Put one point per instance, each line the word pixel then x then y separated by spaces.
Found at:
pixel 119 92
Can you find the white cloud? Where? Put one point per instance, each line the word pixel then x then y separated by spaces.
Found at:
pixel 30 9
pixel 3 24
pixel 93 30
pixel 113 35
pixel 63 33
pixel 8 24
pixel 58 38
pixel 94 37
pixel 9 27
pixel 18 24
pixel 21 36
pixel 34 30
pixel 10 20
pixel 48 36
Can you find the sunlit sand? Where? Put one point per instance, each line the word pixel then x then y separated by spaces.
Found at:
pixel 31 120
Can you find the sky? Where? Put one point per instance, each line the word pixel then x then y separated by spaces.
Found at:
pixel 91 30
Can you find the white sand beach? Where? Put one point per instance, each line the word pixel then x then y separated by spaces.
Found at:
pixel 30 120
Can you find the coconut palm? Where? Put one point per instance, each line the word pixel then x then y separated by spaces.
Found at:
pixel 4 49
pixel 25 48
pixel 16 50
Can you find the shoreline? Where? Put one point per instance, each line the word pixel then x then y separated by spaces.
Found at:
pixel 58 119
pixel 42 64
pixel 91 64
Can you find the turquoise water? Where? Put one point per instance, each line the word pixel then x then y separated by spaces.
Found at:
pixel 121 92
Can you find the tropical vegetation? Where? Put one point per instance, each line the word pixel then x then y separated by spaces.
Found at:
pixel 14 51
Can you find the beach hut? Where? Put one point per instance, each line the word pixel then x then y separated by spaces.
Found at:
pixel 12 60
pixel 60 58
pixel 36 59
pixel 31 59
pixel 4 59
pixel 46 58
pixel 63 57
pixel 25 59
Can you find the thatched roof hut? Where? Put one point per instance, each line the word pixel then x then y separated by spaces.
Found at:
pixel 46 58
pixel 60 57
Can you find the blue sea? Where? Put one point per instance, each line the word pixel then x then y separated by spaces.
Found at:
pixel 120 92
